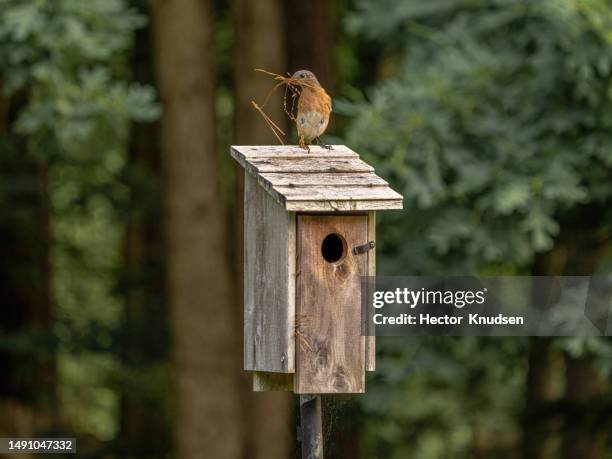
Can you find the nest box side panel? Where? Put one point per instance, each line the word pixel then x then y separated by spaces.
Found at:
pixel 330 353
pixel 277 382
pixel 370 341
pixel 269 282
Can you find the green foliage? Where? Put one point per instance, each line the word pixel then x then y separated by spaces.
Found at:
pixel 66 54
pixel 427 389
pixel 64 62
pixel 496 122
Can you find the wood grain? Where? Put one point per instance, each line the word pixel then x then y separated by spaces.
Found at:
pixel 330 354
pixel 338 179
pixel 370 341
pixel 342 206
pixel 331 193
pixel 308 165
pixel 321 181
pixel 244 152
pixel 269 282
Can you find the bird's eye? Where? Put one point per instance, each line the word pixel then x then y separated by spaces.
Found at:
pixel 302 75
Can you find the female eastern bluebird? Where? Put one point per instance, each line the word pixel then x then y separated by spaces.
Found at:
pixel 314 107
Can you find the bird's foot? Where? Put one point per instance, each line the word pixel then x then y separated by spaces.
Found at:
pixel 322 145
pixel 303 144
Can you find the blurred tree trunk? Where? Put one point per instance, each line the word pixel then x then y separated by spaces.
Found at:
pixel 310 27
pixel 575 382
pixel 206 357
pixel 27 346
pixel 145 433
pixel 587 247
pixel 259 43
pixel 542 428
pixel 586 433
pixel 259 31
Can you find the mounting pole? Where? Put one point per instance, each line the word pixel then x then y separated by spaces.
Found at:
pixel 311 424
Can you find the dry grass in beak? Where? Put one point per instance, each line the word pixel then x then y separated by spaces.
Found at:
pixel 292 86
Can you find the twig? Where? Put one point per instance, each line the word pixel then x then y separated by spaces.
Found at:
pixel 291 84
pixel 273 127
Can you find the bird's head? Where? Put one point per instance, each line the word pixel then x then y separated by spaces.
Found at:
pixel 305 77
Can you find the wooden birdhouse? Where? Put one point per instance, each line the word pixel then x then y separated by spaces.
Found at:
pixel 310 232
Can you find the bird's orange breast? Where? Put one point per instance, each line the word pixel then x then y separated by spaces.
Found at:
pixel 314 100
pixel 314 108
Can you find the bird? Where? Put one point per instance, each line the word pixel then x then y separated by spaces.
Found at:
pixel 313 108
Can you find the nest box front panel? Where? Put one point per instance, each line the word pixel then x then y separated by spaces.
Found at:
pixel 330 351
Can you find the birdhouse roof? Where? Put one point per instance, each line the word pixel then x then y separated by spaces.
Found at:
pixel 322 180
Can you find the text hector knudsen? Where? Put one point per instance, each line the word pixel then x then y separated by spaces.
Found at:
pixel 429 319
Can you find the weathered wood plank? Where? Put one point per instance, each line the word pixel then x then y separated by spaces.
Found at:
pixel 347 193
pixel 383 197
pixel 244 152
pixel 307 165
pixel 320 181
pixel 330 353
pixel 269 282
pixel 342 206
pixel 370 341
pixel 264 381
pixel 340 179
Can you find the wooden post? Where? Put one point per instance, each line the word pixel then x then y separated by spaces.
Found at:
pixel 312 426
